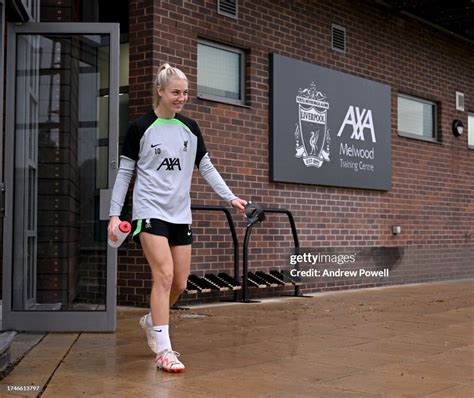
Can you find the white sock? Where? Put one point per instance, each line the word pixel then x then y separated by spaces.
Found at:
pixel 149 321
pixel 162 338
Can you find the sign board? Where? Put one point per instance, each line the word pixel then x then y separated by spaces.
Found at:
pixel 328 127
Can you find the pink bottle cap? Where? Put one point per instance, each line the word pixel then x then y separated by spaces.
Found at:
pixel 125 227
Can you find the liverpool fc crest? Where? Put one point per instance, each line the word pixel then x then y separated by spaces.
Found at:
pixel 311 133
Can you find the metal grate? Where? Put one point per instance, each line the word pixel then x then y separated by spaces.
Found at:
pixel 227 8
pixel 338 38
pixel 459 101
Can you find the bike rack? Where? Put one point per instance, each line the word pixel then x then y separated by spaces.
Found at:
pixel 245 281
pixel 224 282
pixel 234 240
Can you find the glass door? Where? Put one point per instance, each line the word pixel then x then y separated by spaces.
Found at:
pixel 62 143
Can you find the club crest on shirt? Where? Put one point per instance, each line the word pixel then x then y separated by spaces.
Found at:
pixel 185 148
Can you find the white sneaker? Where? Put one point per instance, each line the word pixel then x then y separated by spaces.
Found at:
pixel 169 362
pixel 150 335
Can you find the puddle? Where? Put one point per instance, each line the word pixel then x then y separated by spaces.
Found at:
pixel 192 316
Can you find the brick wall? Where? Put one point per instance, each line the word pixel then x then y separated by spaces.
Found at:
pixel 433 184
pixel 58 181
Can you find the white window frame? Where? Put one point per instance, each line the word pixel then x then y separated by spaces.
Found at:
pixel 218 98
pixel 408 134
pixel 470 130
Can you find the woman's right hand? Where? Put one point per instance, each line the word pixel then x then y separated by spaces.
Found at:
pixel 114 222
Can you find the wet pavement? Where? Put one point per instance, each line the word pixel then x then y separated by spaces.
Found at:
pixel 404 341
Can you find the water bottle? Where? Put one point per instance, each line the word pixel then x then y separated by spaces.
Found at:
pixel 121 231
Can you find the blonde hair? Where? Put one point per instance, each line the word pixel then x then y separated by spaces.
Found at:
pixel 164 75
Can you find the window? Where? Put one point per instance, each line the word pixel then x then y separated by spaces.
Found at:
pixel 221 73
pixel 470 130
pixel 416 118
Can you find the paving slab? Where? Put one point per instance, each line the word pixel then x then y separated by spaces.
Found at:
pixel 404 341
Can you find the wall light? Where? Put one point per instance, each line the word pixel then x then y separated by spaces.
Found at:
pixel 396 229
pixel 458 127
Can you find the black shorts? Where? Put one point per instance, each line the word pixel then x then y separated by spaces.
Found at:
pixel 177 234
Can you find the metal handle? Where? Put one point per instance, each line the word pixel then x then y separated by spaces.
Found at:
pixel 2 200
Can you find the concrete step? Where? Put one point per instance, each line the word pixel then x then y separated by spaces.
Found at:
pixel 14 346
pixel 6 339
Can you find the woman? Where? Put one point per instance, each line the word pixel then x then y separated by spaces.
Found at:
pixel 164 146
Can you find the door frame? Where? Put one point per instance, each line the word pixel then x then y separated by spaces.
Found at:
pixel 2 70
pixel 65 321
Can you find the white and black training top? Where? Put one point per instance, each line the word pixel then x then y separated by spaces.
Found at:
pixel 164 152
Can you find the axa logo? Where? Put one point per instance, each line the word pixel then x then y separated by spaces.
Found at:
pixel 170 164
pixel 359 120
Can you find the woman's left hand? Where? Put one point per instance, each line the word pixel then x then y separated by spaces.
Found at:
pixel 239 204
